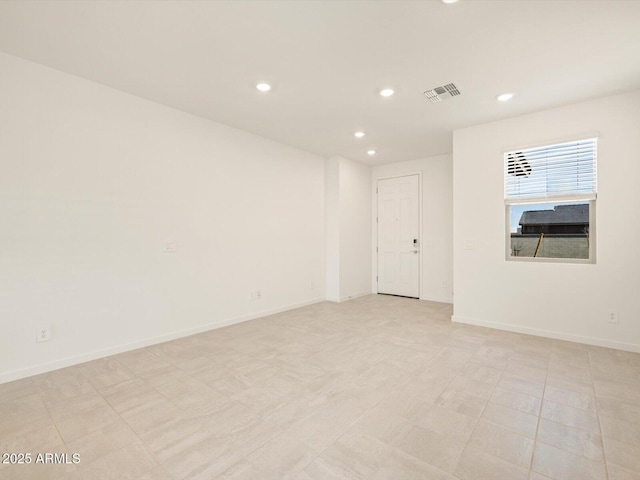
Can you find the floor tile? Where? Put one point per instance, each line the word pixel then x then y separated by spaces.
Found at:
pixel 127 463
pixel 193 454
pixel 357 453
pixel 439 450
pixel 40 472
pixel 518 383
pixel 517 401
pixel 224 466
pixel 45 439
pixel 561 465
pixel 462 402
pixel 620 430
pixel 17 389
pixel 62 410
pixel 399 465
pixel 611 407
pixel 98 443
pixel 514 420
pixel 616 473
pixel 622 455
pixel 325 469
pixel 382 423
pixel 446 421
pixel 475 464
pixel 567 397
pixel 537 476
pixel 377 388
pixel 242 470
pixel 570 439
pixel 572 417
pixel 502 443
pixel 130 394
pixel 282 453
pixel 75 426
pixel 157 473
pixel 623 392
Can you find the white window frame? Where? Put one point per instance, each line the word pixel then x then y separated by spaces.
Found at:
pixel 546 200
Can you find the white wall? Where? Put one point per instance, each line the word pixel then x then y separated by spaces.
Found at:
pixel 94 182
pixel 355 229
pixel 566 301
pixel 332 228
pixel 348 228
pixel 436 281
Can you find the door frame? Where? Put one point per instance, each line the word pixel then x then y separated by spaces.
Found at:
pixel 374 278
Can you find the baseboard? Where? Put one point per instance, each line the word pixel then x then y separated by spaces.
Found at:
pixel 598 342
pixel 86 357
pixel 437 299
pixel 353 296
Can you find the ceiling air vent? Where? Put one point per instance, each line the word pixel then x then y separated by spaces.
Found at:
pixel 442 93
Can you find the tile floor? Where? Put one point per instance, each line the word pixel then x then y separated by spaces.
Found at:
pixel 375 388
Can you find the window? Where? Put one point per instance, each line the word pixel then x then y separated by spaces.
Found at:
pixel 550 196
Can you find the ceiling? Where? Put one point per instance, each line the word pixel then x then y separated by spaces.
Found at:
pixel 328 60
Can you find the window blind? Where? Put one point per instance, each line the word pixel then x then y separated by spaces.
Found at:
pixel 562 170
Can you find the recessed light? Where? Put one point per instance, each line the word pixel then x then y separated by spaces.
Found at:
pixel 359 134
pixel 449 1
pixel 504 97
pixel 263 87
pixel 371 152
pixel 387 92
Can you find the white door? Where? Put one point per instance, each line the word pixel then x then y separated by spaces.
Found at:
pixel 398 236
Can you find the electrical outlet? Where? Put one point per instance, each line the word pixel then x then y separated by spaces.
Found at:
pixel 612 317
pixel 43 334
pixel 170 246
pixel 255 295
